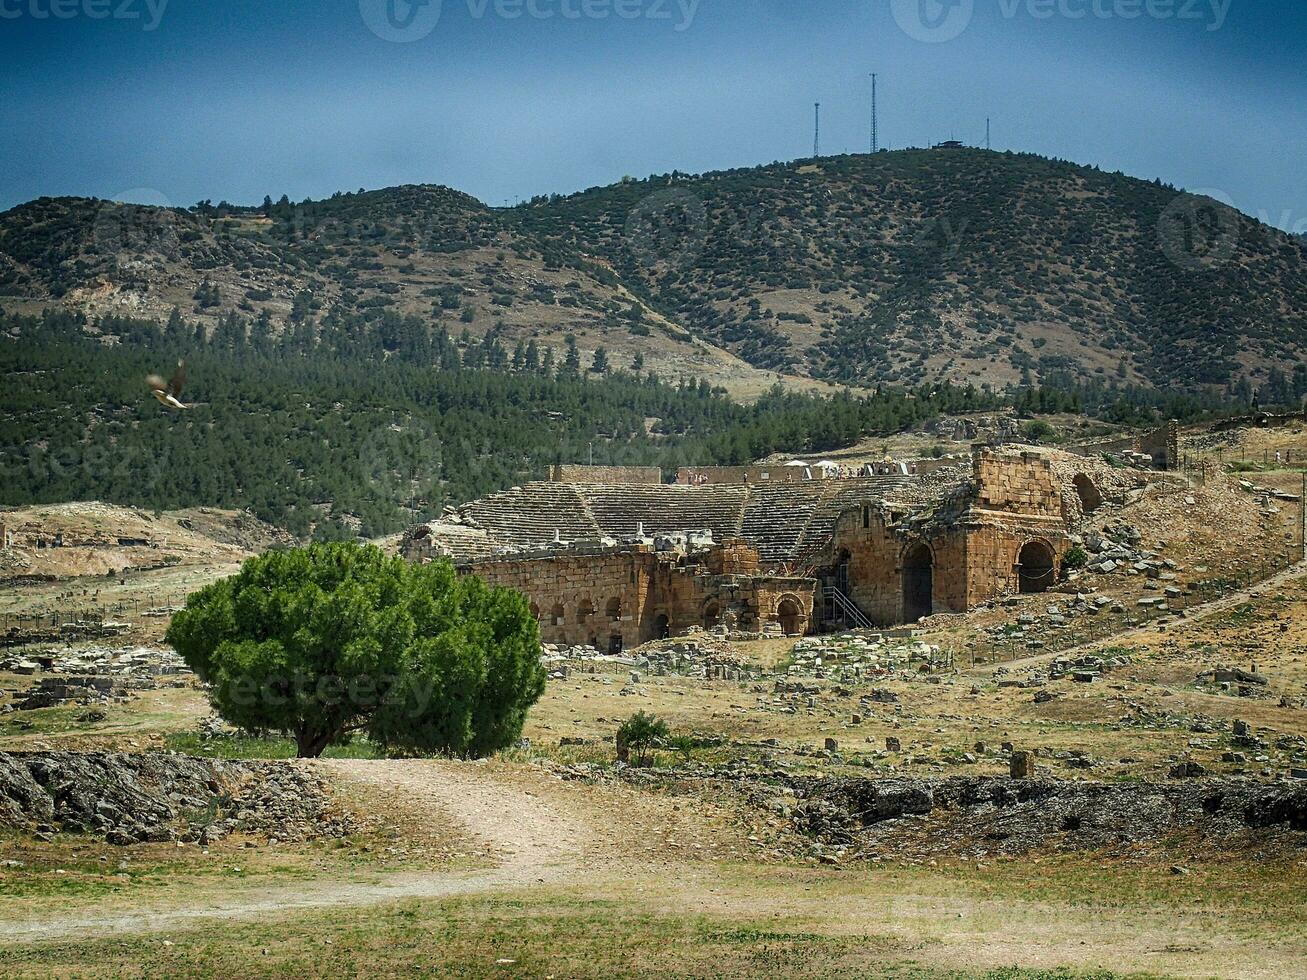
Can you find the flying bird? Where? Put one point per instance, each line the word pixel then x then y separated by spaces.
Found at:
pixel 168 393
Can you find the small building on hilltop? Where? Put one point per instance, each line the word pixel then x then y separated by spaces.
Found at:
pixel 621 563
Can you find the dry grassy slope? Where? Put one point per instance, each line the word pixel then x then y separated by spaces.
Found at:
pixel 968 265
pixel 91 532
pixel 403 249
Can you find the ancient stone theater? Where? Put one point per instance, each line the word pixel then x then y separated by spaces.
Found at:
pixel 615 557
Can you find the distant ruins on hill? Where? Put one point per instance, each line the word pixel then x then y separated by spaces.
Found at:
pixel 612 557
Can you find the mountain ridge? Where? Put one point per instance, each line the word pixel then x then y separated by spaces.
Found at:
pixel 918 265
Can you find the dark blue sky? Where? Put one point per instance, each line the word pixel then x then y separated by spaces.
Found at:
pixel 504 99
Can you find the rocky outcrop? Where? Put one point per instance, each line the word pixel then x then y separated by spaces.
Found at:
pixel 158 797
pixel 1014 816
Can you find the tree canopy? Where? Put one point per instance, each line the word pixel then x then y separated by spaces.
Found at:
pixel 336 640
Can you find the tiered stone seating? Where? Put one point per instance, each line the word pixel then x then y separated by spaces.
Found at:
pixel 776 516
pixel 529 516
pixel 462 543
pixel 666 509
pixel 784 521
pixel 842 496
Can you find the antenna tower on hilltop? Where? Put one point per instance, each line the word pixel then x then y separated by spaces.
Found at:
pixel 875 135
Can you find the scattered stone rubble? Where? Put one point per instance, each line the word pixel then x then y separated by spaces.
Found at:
pixel 1033 628
pixel 98 660
pixel 702 655
pixel 1118 549
pixel 1268 492
pixel 92 675
pixel 130 799
pixel 64 632
pixel 851 656
pixel 847 658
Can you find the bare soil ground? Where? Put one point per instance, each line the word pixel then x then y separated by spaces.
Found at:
pixel 586 896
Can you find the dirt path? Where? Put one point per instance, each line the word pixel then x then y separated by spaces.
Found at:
pixel 534 839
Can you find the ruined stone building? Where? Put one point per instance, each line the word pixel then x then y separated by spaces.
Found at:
pixel 620 561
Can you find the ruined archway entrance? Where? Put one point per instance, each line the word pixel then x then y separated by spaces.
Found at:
pixel 662 627
pixel 790 615
pixel 1035 567
pixel 712 615
pixel 1090 498
pixel 918 582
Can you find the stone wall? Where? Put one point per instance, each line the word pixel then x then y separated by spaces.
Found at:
pixel 1163 444
pixel 613 598
pixel 605 475
pixel 897 565
pixel 1016 483
pixel 694 476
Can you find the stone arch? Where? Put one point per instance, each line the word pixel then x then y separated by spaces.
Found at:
pixel 789 613
pixel 584 611
pixel 613 610
pixel 712 614
pixel 662 626
pixel 535 611
pixel 1036 567
pixel 557 614
pixel 918 571
pixel 1090 497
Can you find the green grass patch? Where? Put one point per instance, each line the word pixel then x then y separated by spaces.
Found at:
pixel 260 747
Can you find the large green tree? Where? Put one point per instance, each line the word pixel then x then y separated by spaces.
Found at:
pixel 339 639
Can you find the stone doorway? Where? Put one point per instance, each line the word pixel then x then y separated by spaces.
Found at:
pixel 790 616
pixel 918 582
pixel 1035 567
pixel 1090 498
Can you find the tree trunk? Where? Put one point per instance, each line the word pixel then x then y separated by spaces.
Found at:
pixel 310 744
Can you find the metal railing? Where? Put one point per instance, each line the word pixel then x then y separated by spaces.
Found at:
pixel 851 614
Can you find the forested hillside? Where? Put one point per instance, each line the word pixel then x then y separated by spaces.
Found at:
pixel 347 429
pixel 904 268
pixel 964 264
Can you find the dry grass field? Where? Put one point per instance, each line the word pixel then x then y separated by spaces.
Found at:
pixel 545 861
